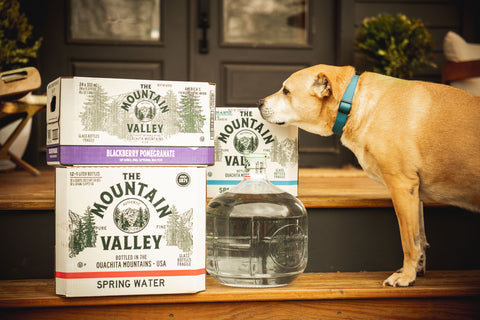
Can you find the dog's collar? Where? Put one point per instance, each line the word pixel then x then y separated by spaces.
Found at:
pixel 345 106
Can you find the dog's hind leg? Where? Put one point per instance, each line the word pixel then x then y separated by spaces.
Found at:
pixel 406 201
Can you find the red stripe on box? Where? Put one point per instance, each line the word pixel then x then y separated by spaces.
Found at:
pixel 125 274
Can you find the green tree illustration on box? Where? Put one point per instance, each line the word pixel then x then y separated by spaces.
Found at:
pixel 82 232
pixel 97 110
pixel 191 119
pixel 179 230
pixel 284 152
pixel 117 118
pixel 103 113
pixel 121 219
pixel 173 116
pixel 142 219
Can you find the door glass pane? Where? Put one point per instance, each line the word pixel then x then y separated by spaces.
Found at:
pixel 115 20
pixel 265 22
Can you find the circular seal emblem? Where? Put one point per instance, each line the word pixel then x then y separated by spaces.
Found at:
pixel 145 110
pixel 183 179
pixel 287 247
pixel 245 141
pixel 131 215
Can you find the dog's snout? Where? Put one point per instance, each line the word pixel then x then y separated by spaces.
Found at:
pixel 260 103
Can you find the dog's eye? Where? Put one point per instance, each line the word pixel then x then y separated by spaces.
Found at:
pixel 285 91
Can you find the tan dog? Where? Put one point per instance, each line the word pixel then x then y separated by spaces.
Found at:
pixel 420 139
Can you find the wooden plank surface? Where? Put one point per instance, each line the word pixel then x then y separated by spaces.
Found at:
pixel 318 188
pixel 341 188
pixel 19 190
pixel 365 309
pixel 308 286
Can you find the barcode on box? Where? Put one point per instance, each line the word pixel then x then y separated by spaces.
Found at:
pixel 53 134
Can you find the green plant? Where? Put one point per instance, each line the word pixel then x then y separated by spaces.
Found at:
pixel 17 48
pixel 395 45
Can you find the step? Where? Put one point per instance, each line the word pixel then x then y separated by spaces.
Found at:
pixel 359 295
pixel 318 188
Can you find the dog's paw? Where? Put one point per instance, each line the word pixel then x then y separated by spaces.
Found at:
pixel 400 279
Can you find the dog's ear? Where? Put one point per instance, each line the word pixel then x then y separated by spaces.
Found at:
pixel 321 86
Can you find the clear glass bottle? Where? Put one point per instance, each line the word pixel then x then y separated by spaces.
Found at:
pixel 257 234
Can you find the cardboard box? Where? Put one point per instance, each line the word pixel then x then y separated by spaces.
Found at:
pixel 129 230
pixel 97 121
pixel 239 131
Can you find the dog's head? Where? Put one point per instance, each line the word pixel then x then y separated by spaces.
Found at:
pixel 308 99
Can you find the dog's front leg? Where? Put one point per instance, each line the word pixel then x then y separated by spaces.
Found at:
pixel 422 262
pixel 405 196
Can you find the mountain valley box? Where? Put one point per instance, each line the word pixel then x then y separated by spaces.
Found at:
pixel 101 121
pixel 129 230
pixel 239 131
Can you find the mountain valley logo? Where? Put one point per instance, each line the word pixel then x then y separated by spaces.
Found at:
pixel 131 215
pixel 245 141
pixel 248 135
pixel 133 203
pixel 146 103
pixel 145 111
pixel 142 112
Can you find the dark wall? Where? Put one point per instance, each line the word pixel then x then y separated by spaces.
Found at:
pixel 346 240
pixel 463 16
pixel 369 239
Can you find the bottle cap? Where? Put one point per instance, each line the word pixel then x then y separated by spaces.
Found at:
pixel 255 161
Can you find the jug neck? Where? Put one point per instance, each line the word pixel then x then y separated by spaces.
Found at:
pixel 255 166
pixel 255 174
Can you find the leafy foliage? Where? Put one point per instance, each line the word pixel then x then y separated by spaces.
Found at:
pixel 396 46
pixel 17 49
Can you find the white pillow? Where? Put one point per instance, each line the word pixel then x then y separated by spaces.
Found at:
pixel 456 49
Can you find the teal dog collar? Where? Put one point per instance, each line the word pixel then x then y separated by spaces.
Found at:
pixel 345 106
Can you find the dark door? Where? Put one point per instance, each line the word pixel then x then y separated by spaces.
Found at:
pixel 121 39
pixel 247 47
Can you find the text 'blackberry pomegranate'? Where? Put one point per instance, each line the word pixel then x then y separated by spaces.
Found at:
pixel 257 234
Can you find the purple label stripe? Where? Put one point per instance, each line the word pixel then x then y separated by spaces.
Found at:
pixel 52 153
pixel 119 155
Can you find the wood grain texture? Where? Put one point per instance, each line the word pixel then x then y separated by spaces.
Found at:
pixel 19 190
pixel 438 295
pixel 367 309
pixel 308 286
pixel 341 188
pixel 318 188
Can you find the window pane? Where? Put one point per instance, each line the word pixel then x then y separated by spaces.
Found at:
pixel 265 22
pixel 114 20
